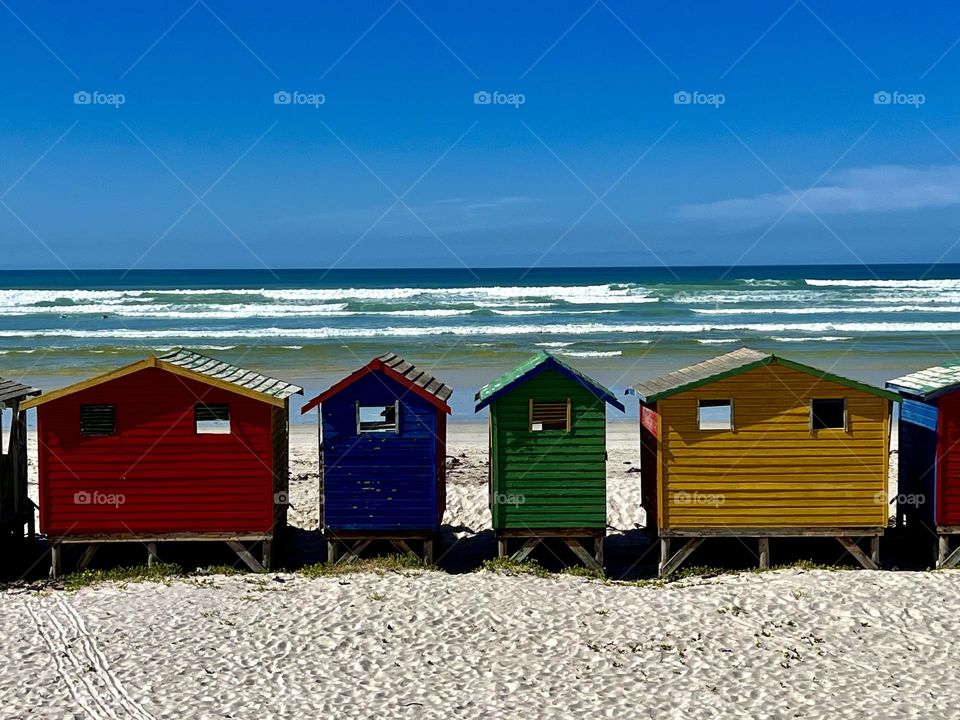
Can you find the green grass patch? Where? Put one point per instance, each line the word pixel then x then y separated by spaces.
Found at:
pixel 382 565
pixel 509 566
pixel 584 572
pixel 161 573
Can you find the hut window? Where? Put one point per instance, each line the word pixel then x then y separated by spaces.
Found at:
pixel 546 415
pixel 212 419
pixel 377 418
pixel 826 414
pixel 715 415
pixel 98 419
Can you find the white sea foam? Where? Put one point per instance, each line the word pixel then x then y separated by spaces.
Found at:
pixel 822 338
pixel 495 330
pixel 590 353
pixel 952 284
pixel 858 309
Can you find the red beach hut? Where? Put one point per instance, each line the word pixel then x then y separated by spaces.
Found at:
pixel 177 447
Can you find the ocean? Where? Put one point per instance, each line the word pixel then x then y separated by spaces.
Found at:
pixel 619 325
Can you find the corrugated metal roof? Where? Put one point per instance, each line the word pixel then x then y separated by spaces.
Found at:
pixel 535 363
pixel 393 366
pixel 931 381
pixel 733 363
pixel 650 390
pixel 12 390
pixel 232 374
pixel 420 378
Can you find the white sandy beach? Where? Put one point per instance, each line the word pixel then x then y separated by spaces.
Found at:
pixel 784 644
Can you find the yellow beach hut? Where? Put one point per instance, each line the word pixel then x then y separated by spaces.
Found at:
pixel 752 445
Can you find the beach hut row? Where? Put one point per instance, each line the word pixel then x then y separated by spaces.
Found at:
pixel 185 447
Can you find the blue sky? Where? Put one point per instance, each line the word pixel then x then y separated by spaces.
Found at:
pixel 182 157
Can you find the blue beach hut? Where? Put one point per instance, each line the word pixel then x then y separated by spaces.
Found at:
pixel 382 457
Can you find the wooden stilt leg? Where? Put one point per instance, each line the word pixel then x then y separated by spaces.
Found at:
pixel 245 555
pixel 404 548
pixel 664 553
pixel 501 547
pixel 764 546
pixel 331 551
pixel 943 549
pixel 684 552
pixel 581 552
pixel 152 558
pixel 267 554
pixel 87 556
pixel 527 548
pixel 952 559
pixel 55 560
pixel 851 545
pixel 875 550
pixel 428 551
pixel 598 550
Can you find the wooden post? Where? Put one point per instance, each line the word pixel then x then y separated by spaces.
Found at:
pixel 664 553
pixel 331 550
pixel 943 543
pixel 267 554
pixel 87 556
pixel 875 550
pixel 764 546
pixel 428 551
pixel 152 558
pixel 501 547
pixel 598 550
pixel 55 560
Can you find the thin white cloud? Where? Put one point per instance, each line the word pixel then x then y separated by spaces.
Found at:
pixel 878 189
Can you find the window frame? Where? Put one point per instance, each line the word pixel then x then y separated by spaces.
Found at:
pixel 112 406
pixel 379 431
pixel 530 423
pixel 846 415
pixel 197 421
pixel 729 403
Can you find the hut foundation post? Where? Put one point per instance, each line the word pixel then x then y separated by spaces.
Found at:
pixel 501 547
pixel 152 557
pixel 875 550
pixel 851 545
pixel 946 558
pixel 55 560
pixel 598 551
pixel 267 554
pixel 87 556
pixel 428 551
pixel 331 551
pixel 664 553
pixel 764 550
pixel 682 554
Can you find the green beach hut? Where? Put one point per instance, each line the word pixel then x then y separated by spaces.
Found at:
pixel 548 474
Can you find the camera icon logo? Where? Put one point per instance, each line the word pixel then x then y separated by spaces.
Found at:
pixel 281 498
pixel 82 497
pixel 882 97
pixel 82 97
pixel 682 98
pixel 482 97
pixel 282 97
